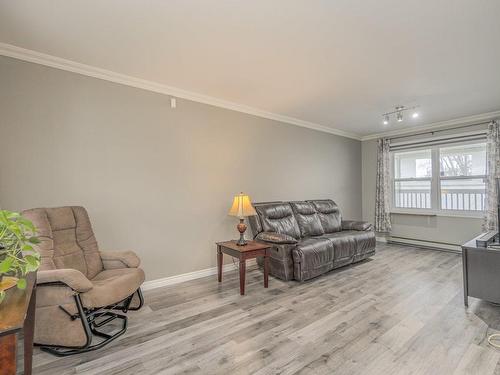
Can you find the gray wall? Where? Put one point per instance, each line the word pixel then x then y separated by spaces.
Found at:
pixel 452 230
pixel 154 179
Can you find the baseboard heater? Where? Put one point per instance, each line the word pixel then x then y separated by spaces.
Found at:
pixel 435 245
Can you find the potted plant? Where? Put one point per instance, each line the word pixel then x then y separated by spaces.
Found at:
pixel 17 255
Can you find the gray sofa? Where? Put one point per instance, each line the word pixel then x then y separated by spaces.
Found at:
pixel 310 238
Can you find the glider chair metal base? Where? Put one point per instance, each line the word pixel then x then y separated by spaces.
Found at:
pixel 92 319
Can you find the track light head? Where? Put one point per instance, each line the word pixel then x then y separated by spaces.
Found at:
pixel 398 112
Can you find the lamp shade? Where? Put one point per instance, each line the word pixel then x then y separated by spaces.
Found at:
pixel 242 206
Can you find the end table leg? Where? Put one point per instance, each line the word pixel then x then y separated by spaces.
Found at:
pixel 243 269
pixel 266 271
pixel 219 263
pixel 466 277
pixel 28 330
pixel 8 351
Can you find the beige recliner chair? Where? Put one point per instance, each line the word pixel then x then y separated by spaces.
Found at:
pixel 79 288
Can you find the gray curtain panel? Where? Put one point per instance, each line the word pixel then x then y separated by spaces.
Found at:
pixel 492 173
pixel 383 187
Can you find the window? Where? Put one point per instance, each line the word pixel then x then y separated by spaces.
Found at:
pixel 462 177
pixel 412 179
pixel 449 178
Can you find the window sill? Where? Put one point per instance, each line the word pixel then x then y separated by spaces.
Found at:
pixel 463 215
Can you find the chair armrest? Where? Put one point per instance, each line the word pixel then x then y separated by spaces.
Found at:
pixel 356 225
pixel 119 259
pixel 68 276
pixel 277 238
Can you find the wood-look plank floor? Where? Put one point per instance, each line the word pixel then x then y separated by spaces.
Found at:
pixel 399 313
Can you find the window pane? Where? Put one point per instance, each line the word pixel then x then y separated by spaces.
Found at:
pixel 463 194
pixel 413 164
pixel 412 194
pixel 463 160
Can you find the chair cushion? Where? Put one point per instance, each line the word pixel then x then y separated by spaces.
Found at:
pixel 112 286
pixel 307 219
pixel 329 215
pixel 67 239
pixel 279 218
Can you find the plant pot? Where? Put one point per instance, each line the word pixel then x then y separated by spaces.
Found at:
pixel 7 282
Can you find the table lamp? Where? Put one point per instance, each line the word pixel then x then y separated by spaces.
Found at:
pixel 242 207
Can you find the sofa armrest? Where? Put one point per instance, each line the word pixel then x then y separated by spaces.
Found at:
pixel 119 259
pixel 356 225
pixel 276 238
pixel 68 276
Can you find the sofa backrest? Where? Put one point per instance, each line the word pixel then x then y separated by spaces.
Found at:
pixel 277 217
pixel 307 219
pixel 67 239
pixel 254 221
pixel 329 215
pixel 297 219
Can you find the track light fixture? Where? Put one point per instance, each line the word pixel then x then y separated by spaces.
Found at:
pixel 398 111
pixel 386 119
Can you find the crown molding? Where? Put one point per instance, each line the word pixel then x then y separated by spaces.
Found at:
pixel 436 125
pixel 24 54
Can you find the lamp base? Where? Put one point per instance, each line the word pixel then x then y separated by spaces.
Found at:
pixel 241 228
pixel 242 242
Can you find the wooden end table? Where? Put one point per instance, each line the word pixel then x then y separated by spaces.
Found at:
pixel 251 250
pixel 17 313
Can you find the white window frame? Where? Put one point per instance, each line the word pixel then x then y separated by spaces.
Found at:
pixel 435 179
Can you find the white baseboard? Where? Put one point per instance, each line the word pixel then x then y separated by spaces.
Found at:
pixel 381 238
pixel 423 243
pixel 171 280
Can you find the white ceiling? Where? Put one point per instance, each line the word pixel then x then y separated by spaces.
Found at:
pixel 339 64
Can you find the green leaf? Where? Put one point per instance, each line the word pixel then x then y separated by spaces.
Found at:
pixel 5 265
pixel 34 240
pixel 21 283
pixel 23 268
pixel 11 215
pixel 33 263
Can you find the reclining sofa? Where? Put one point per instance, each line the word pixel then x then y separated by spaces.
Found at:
pixel 309 238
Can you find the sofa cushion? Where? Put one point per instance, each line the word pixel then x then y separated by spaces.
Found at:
pixel 278 217
pixel 348 243
pixel 365 241
pixel 343 243
pixel 307 219
pixel 329 215
pixel 313 253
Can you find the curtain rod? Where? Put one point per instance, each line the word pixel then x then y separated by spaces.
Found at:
pixel 443 141
pixel 440 130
